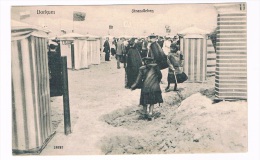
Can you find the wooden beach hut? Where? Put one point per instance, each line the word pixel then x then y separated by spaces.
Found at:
pixel 231 65
pixel 94 47
pixel 193 44
pixel 81 50
pixel 31 114
pixel 73 46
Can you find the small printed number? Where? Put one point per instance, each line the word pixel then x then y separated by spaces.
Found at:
pixel 58 147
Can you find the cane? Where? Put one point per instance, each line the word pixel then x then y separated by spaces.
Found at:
pixel 175 77
pixel 179 94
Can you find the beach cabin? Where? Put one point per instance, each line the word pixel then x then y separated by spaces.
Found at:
pixel 81 50
pixel 31 113
pixel 231 65
pixel 94 47
pixel 193 44
pixel 73 46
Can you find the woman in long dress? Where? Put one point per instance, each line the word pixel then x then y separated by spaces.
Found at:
pixel 148 79
pixel 133 63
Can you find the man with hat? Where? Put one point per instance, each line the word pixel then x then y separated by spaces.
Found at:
pixel 106 49
pixel 120 51
pixel 144 48
pixel 54 63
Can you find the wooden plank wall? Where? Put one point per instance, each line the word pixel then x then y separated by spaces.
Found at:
pixel 31 114
pixel 231 60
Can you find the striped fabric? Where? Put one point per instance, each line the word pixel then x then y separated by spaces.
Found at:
pixel 211 58
pixel 86 52
pixel 31 121
pixel 195 58
pixel 231 60
pixel 231 70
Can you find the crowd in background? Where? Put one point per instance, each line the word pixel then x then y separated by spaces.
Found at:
pixel 143 60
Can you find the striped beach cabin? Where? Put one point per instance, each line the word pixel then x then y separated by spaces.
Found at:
pixel 231 66
pixel 31 113
pixel 211 58
pixel 193 45
pixel 81 50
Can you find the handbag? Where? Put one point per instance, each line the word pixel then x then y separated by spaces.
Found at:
pixel 181 77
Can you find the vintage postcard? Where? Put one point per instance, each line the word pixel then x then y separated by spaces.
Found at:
pixel 129 79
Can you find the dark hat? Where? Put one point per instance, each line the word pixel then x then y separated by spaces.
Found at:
pixel 131 41
pixel 52 46
pixel 174 46
pixel 152 36
pixel 147 59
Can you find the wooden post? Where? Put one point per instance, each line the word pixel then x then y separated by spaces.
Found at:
pixel 66 104
pixel 72 56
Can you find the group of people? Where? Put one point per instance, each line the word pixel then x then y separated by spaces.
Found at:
pixel 143 60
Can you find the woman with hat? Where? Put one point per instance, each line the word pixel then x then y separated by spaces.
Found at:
pixel 133 63
pixel 148 80
pixel 174 61
pixel 156 52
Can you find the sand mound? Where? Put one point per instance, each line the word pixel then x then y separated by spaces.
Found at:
pixel 196 126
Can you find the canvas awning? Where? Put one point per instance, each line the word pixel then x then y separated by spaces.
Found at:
pixel 72 36
pixel 20 30
pixel 193 31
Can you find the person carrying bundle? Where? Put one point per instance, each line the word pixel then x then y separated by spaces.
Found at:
pixel 175 61
pixel 148 80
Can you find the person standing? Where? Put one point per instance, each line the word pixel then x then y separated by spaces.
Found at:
pixel 120 51
pixel 133 63
pixel 138 45
pixel 148 80
pixel 166 46
pixel 106 49
pixel 54 63
pixel 175 62
pixel 144 48
pixel 113 48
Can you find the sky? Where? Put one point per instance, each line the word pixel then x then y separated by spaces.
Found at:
pixel 98 18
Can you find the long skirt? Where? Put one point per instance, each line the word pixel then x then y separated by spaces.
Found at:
pixel 151 98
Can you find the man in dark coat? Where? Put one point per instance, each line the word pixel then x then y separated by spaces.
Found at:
pixel 106 49
pixel 139 45
pixel 54 63
pixel 144 48
pixel 133 63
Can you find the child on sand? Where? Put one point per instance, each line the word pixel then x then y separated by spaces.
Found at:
pixel 148 79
